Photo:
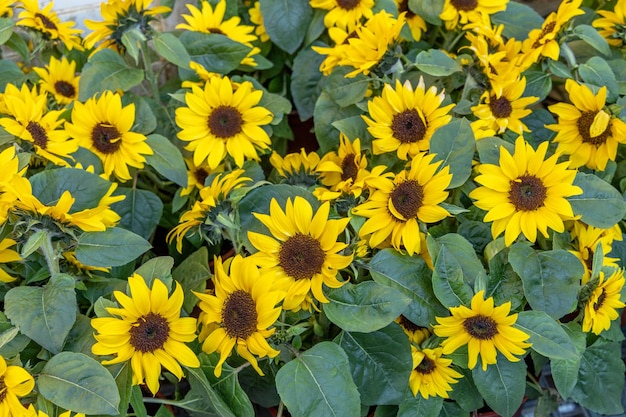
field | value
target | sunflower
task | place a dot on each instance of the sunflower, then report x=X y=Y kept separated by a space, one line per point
x=460 y=12
x=297 y=168
x=417 y=334
x=209 y=20
x=416 y=24
x=346 y=14
x=6 y=8
x=502 y=107
x=46 y=22
x=334 y=54
x=147 y=330
x=223 y=119
x=601 y=307
x=497 y=61
x=119 y=17
x=239 y=313
x=102 y=125
x=485 y=329
x=587 y=239
x=31 y=121
x=197 y=175
x=432 y=374
x=59 y=79
x=398 y=205
x=257 y=18
x=525 y=193
x=612 y=24
x=586 y=130
x=302 y=252
x=7 y=255
x=15 y=382
x=404 y=119
x=10 y=176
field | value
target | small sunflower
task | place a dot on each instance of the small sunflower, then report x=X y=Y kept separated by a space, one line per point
x=297 y=168
x=432 y=374
x=525 y=193
x=612 y=24
x=485 y=330
x=416 y=24
x=7 y=255
x=147 y=330
x=11 y=178
x=46 y=22
x=586 y=130
x=601 y=307
x=417 y=334
x=302 y=252
x=240 y=313
x=257 y=18
x=398 y=205
x=102 y=125
x=203 y=76
x=587 y=239
x=346 y=14
x=197 y=175
x=334 y=54
x=15 y=382
x=404 y=119
x=59 y=79
x=459 y=12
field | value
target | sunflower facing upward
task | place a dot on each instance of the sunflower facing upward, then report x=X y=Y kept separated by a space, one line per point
x=600 y=309
x=59 y=79
x=15 y=382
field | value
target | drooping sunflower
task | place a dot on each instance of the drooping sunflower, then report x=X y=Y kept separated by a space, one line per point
x=605 y=298
x=103 y=126
x=346 y=14
x=459 y=12
x=432 y=374
x=297 y=168
x=7 y=255
x=417 y=334
x=240 y=312
x=15 y=382
x=612 y=24
x=587 y=238
x=416 y=24
x=525 y=193
x=59 y=79
x=120 y=16
x=586 y=130
x=485 y=329
x=222 y=119
x=334 y=54
x=46 y=22
x=147 y=330
x=257 y=18
x=31 y=121
x=197 y=175
x=404 y=119
x=302 y=253
x=397 y=205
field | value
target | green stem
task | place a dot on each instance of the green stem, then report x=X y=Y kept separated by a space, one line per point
x=150 y=76
x=52 y=258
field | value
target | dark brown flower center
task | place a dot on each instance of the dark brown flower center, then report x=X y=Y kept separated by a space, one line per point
x=200 y=175
x=464 y=5
x=65 y=89
x=301 y=256
x=40 y=137
x=47 y=23
x=403 y=6
x=239 y=316
x=600 y=302
x=3 y=389
x=544 y=31
x=409 y=325
x=106 y=138
x=149 y=333
x=348 y=4
x=481 y=327
x=216 y=30
x=225 y=122
x=527 y=193
x=407 y=198
x=584 y=125
x=349 y=169
x=500 y=107
x=408 y=126
x=426 y=366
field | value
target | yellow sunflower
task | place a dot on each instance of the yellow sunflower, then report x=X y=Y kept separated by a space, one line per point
x=15 y=382
x=147 y=330
x=601 y=307
x=46 y=22
x=334 y=54
x=203 y=76
x=10 y=179
x=432 y=374
x=525 y=193
x=587 y=239
x=460 y=12
x=209 y=20
x=502 y=107
x=7 y=255
x=302 y=253
x=297 y=168
x=417 y=334
x=485 y=329
x=346 y=14
x=31 y=121
x=257 y=18
x=6 y=8
x=404 y=119
x=398 y=205
x=102 y=125
x=612 y=24
x=586 y=130
x=416 y=24
x=59 y=79
x=240 y=312
x=223 y=119
x=197 y=175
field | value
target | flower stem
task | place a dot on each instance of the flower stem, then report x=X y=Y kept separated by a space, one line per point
x=52 y=258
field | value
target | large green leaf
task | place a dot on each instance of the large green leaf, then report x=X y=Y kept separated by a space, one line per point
x=379 y=363
x=565 y=372
x=345 y=91
x=489 y=149
x=306 y=82
x=454 y=144
x=419 y=406
x=436 y=62
x=428 y=10
x=461 y=249
x=593 y=38
x=171 y=48
x=318 y=383
x=502 y=385
x=538 y=84
x=140 y=211
x=45 y=314
x=167 y=159
x=600 y=204
x=202 y=399
x=286 y=22
x=364 y=307
x=7 y=26
x=598 y=72
x=113 y=247
x=227 y=386
x=214 y=51
x=518 y=19
x=503 y=284
x=325 y=113
x=448 y=283
x=76 y=382
x=193 y=273
x=546 y=335
x=106 y=70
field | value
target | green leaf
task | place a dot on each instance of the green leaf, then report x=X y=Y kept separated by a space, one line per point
x=132 y=39
x=518 y=19
x=353 y=127
x=34 y=242
x=598 y=72
x=45 y=314
x=428 y=10
x=593 y=38
x=418 y=406
x=502 y=385
x=167 y=159
x=124 y=381
x=448 y=284
x=157 y=268
x=306 y=81
x=551 y=278
x=106 y=70
x=464 y=252
x=538 y=84
x=193 y=273
x=172 y=49
x=214 y=51
x=465 y=393
x=286 y=22
x=378 y=363
x=489 y=149
x=227 y=386
x=618 y=66
x=503 y=284
x=345 y=91
x=454 y=144
x=325 y=113
x=202 y=399
x=565 y=372
x=437 y=63
x=364 y=307
x=412 y=277
x=309 y=384
x=7 y=26
x=546 y=335
x=76 y=382
x=145 y=120
x=140 y=211
x=113 y=247
x=600 y=204
x=136 y=401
